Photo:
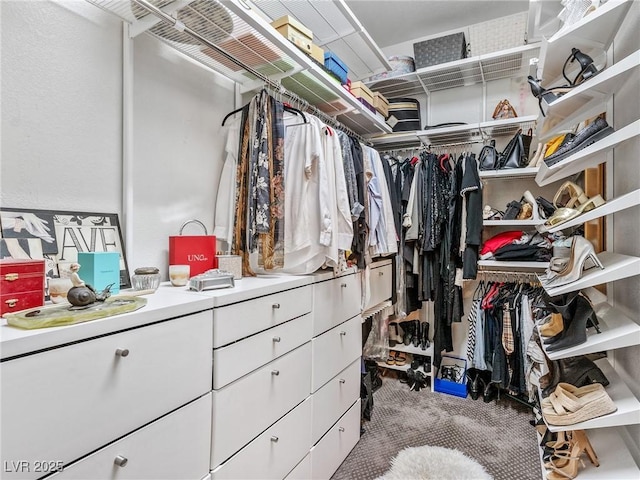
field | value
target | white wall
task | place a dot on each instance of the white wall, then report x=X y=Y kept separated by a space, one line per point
x=62 y=123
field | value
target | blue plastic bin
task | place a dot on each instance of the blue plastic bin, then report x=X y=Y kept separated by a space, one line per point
x=335 y=66
x=442 y=385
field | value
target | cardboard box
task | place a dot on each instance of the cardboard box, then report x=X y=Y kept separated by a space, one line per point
x=381 y=104
x=360 y=90
x=100 y=269
x=295 y=32
x=317 y=53
x=21 y=284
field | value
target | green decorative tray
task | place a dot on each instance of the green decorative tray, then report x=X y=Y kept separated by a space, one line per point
x=59 y=315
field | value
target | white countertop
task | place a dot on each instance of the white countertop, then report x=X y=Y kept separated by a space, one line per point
x=167 y=302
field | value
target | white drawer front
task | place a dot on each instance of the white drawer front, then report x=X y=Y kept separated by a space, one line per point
x=335 y=301
x=176 y=446
x=335 y=350
x=334 y=398
x=63 y=403
x=275 y=452
x=238 y=359
x=245 y=408
x=330 y=452
x=240 y=320
x=302 y=470
x=380 y=283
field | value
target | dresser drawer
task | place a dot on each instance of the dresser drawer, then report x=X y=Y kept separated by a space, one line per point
x=245 y=408
x=275 y=452
x=334 y=398
x=233 y=322
x=334 y=350
x=302 y=470
x=380 y=284
x=175 y=446
x=62 y=403
x=335 y=301
x=333 y=448
x=238 y=359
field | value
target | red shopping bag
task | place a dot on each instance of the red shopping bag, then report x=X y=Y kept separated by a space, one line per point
x=197 y=251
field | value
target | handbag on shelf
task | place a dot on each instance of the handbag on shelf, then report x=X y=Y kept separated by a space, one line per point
x=513 y=210
x=503 y=110
x=513 y=154
x=488 y=158
x=526 y=142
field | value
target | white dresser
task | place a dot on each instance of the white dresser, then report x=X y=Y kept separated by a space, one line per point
x=258 y=381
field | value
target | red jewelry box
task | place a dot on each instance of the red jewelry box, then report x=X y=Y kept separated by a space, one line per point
x=21 y=284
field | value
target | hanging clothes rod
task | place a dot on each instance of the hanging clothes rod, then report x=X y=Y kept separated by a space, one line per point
x=274 y=86
x=508 y=273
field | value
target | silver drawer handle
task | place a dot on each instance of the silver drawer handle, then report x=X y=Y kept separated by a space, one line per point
x=342 y=380
x=274 y=439
x=343 y=332
x=275 y=372
x=341 y=429
x=380 y=274
x=276 y=339
x=344 y=285
x=121 y=461
x=122 y=352
x=275 y=305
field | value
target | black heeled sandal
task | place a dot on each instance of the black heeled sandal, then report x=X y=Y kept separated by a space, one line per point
x=549 y=95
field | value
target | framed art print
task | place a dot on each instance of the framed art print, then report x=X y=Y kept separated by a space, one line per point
x=58 y=236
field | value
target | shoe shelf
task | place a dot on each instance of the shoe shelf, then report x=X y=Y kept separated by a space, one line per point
x=413 y=350
x=615 y=458
x=617 y=331
x=512 y=223
x=628 y=411
x=588 y=157
x=244 y=34
x=509 y=173
x=488 y=264
x=592 y=35
x=616 y=267
x=585 y=100
x=474 y=132
x=617 y=204
x=403 y=368
x=508 y=63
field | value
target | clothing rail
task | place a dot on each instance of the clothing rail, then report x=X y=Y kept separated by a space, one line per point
x=531 y=276
x=274 y=86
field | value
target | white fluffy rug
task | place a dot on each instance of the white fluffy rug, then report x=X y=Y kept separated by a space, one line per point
x=434 y=463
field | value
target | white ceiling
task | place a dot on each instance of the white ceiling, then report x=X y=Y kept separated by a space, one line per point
x=390 y=22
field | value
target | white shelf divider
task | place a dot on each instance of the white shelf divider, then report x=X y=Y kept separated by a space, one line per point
x=488 y=264
x=587 y=99
x=509 y=173
x=628 y=412
x=590 y=156
x=592 y=34
x=617 y=331
x=616 y=267
x=616 y=461
x=512 y=223
x=627 y=200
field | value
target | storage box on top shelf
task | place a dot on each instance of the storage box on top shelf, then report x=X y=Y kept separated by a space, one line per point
x=404 y=114
x=22 y=284
x=362 y=93
x=440 y=50
x=451 y=376
x=381 y=103
x=336 y=66
x=295 y=32
x=317 y=53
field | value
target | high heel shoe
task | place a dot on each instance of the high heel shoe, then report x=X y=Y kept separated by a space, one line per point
x=553 y=327
x=548 y=95
x=581 y=250
x=529 y=198
x=575 y=332
x=566 y=464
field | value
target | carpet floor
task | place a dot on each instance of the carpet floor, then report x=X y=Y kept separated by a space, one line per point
x=496 y=435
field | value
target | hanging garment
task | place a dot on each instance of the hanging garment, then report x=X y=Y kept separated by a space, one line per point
x=472 y=192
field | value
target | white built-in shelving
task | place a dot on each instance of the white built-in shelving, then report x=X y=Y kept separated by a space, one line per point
x=616 y=267
x=509 y=173
x=592 y=35
x=459 y=73
x=243 y=32
x=512 y=223
x=614 y=205
x=587 y=99
x=588 y=157
x=628 y=406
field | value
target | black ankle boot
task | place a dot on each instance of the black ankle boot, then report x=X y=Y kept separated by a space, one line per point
x=490 y=392
x=575 y=333
x=417 y=326
x=578 y=371
x=408 y=332
x=424 y=338
x=473 y=383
